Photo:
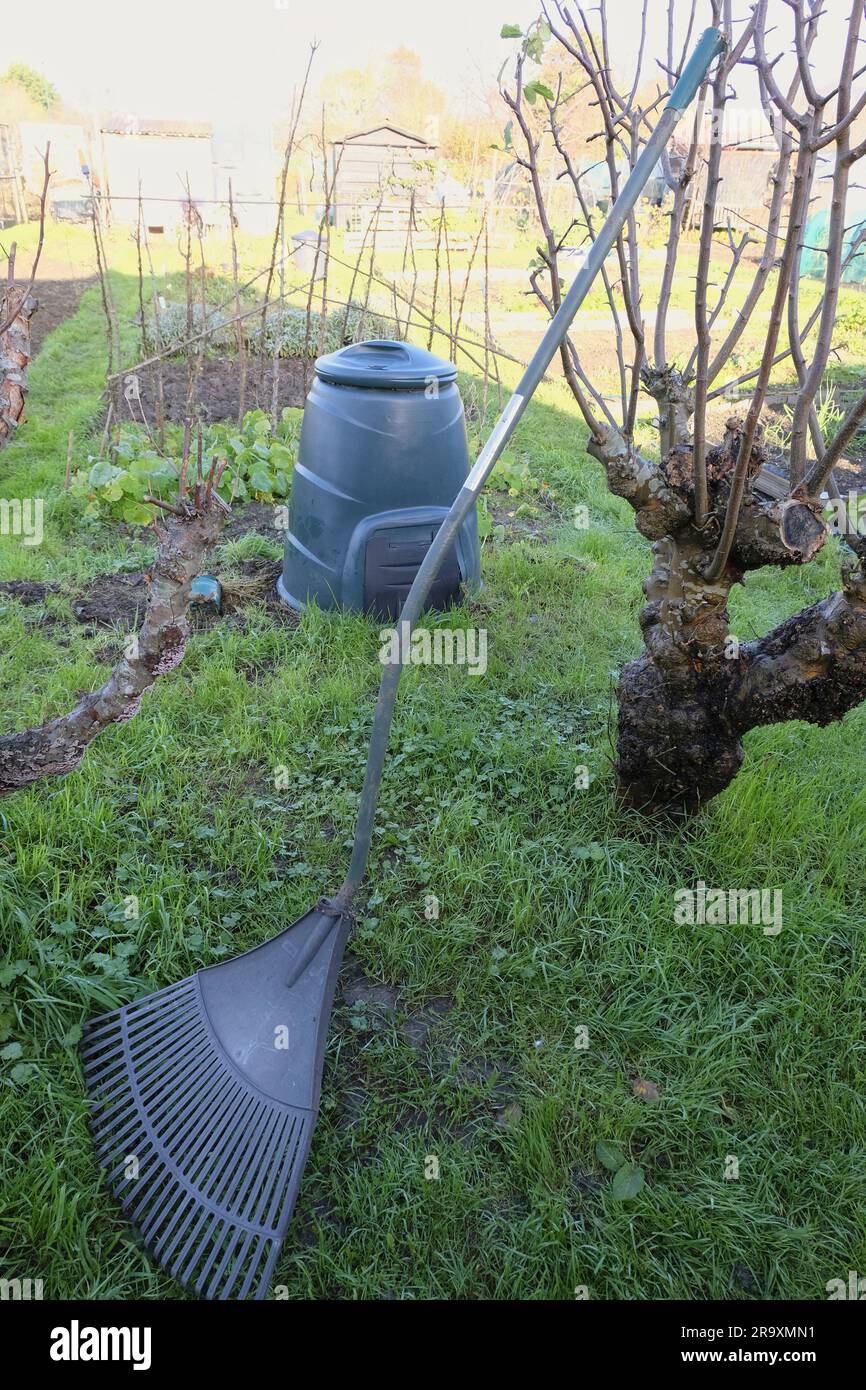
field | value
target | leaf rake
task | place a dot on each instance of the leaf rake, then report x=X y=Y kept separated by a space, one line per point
x=205 y=1094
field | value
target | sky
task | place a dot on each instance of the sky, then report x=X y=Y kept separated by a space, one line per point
x=241 y=59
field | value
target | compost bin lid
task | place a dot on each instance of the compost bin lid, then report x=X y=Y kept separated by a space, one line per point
x=384 y=364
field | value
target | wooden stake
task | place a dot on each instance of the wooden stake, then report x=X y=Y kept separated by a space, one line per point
x=242 y=345
x=69 y=449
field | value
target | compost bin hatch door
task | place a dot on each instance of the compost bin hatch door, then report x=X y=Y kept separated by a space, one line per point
x=392 y=563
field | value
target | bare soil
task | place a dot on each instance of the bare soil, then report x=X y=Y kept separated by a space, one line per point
x=217 y=390
x=27 y=591
x=118 y=601
x=525 y=527
x=113 y=600
x=58 y=300
x=850 y=473
x=252 y=518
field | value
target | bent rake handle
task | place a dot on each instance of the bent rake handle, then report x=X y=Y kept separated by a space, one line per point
x=710 y=46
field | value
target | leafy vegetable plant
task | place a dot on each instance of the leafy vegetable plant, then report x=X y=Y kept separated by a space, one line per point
x=259 y=465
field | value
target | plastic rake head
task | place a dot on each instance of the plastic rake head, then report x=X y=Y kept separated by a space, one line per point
x=204 y=1099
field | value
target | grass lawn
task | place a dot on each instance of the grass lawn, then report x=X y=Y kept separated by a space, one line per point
x=454 y=1038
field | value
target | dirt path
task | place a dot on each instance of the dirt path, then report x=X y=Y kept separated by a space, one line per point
x=58 y=300
x=66 y=270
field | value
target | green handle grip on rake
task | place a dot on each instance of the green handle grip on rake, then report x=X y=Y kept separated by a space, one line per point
x=711 y=44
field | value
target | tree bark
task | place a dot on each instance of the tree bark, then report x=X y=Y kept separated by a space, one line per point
x=676 y=747
x=15 y=358
x=685 y=704
x=680 y=733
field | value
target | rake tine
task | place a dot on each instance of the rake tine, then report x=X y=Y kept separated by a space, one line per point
x=245 y=1190
x=209 y=1164
x=220 y=1286
x=178 y=1268
x=289 y=1172
x=149 y=1197
x=238 y=1174
x=176 y=1016
x=249 y=1108
x=288 y=1139
x=206 y=1155
x=272 y=1247
x=105 y=1079
x=232 y=1176
x=210 y=1281
x=183 y=1213
x=189 y=1122
x=232 y=1277
x=149 y=1191
x=134 y=1208
x=196 y=1136
x=147 y=1007
x=270 y=1145
x=161 y=1092
x=110 y=1134
x=172 y=1024
x=223 y=1235
x=174 y=1264
x=180 y=1235
x=218 y=1120
x=102 y=1023
x=160 y=1096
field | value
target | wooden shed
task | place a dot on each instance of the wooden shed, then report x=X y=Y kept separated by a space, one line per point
x=158 y=155
x=383 y=161
x=12 y=205
x=749 y=158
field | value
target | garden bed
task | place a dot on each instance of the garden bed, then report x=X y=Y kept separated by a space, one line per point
x=217 y=391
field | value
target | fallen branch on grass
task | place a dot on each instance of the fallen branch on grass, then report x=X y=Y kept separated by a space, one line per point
x=190 y=527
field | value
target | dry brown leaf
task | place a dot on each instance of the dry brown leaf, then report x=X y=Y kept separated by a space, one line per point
x=644 y=1090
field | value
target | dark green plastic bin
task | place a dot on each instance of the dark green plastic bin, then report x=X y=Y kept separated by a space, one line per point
x=382 y=456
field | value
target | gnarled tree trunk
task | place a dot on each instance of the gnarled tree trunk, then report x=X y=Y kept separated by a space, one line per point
x=685 y=704
x=19 y=306
x=16 y=310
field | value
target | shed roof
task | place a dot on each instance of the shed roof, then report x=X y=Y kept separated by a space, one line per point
x=403 y=137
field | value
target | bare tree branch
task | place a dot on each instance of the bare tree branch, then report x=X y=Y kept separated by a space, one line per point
x=798 y=211
x=835 y=248
x=702 y=326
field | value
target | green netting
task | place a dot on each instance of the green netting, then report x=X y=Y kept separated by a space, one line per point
x=814 y=260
